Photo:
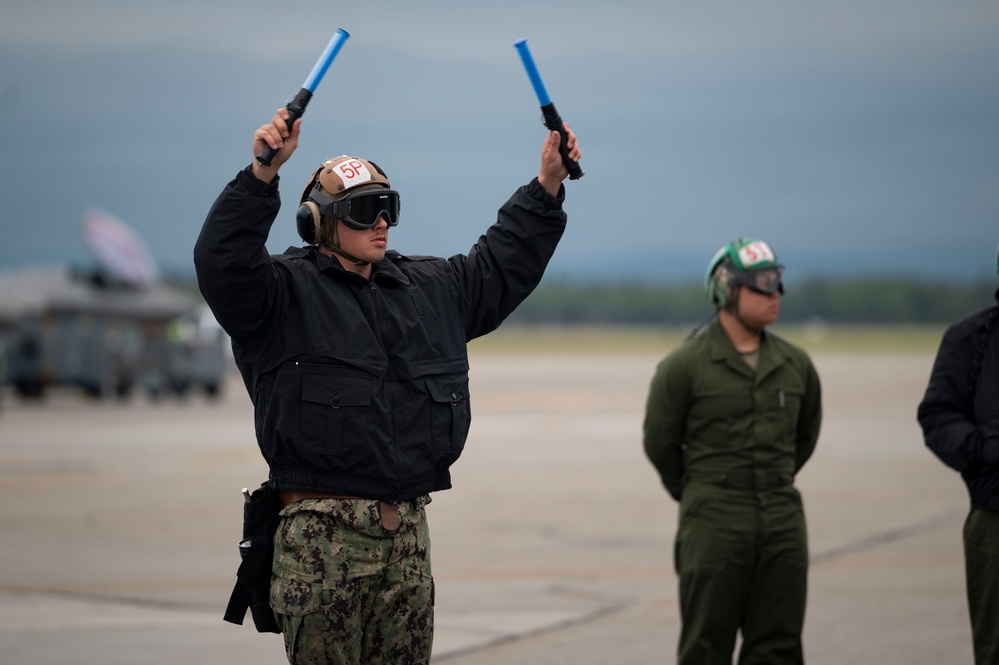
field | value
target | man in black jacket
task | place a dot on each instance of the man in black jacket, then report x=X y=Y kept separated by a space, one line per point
x=960 y=419
x=355 y=360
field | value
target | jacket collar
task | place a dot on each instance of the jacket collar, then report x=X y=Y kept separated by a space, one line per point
x=387 y=270
x=384 y=271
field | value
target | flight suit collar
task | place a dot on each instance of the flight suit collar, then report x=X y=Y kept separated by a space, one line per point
x=723 y=351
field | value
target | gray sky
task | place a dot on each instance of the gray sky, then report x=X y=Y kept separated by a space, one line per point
x=860 y=136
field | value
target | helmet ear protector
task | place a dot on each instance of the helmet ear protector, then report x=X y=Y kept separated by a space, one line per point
x=309 y=222
x=328 y=194
x=716 y=289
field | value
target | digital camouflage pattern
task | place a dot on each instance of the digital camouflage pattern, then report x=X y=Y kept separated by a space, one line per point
x=346 y=589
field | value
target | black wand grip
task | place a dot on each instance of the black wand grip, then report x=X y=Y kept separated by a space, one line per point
x=554 y=123
x=296 y=108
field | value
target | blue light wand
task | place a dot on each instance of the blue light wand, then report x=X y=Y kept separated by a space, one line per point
x=296 y=107
x=551 y=117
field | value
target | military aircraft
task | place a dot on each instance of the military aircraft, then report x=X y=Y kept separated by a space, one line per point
x=108 y=328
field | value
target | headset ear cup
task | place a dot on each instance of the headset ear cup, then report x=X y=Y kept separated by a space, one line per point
x=308 y=222
x=718 y=296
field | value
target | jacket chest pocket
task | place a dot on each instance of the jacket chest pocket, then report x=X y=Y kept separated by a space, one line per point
x=450 y=413
x=334 y=409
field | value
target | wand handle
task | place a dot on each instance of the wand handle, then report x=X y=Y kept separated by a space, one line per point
x=554 y=122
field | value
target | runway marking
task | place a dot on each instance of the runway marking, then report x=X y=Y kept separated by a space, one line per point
x=109 y=599
x=881 y=538
x=588 y=617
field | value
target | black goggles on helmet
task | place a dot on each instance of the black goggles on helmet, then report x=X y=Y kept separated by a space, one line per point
x=763 y=280
x=361 y=211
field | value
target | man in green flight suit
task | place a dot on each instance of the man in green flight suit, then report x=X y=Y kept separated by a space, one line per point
x=732 y=416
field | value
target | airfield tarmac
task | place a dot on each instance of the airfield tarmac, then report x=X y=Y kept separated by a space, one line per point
x=119 y=524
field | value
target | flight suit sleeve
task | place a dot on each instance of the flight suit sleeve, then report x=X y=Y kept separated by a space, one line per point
x=665 y=424
x=809 y=418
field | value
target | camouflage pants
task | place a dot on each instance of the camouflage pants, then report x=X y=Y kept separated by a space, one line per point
x=347 y=590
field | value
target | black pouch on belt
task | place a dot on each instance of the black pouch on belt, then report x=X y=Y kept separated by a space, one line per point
x=256 y=551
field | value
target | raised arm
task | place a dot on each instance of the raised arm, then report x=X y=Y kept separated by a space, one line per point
x=235 y=272
x=509 y=260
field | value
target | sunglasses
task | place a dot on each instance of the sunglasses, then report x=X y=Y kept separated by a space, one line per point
x=361 y=211
x=764 y=280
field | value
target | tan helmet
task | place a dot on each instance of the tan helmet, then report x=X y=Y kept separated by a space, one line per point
x=335 y=178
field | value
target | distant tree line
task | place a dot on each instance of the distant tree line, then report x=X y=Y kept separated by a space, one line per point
x=880 y=300
x=888 y=300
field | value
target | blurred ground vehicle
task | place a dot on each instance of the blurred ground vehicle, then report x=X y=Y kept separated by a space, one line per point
x=106 y=329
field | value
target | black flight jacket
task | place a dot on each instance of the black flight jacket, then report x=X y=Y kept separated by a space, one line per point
x=959 y=413
x=360 y=387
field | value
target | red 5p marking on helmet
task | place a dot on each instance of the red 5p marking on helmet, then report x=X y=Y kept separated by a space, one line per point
x=339 y=174
x=353 y=171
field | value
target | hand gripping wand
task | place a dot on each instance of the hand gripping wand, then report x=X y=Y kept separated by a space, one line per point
x=551 y=116
x=296 y=107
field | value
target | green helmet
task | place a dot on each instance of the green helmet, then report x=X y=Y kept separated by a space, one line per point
x=746 y=261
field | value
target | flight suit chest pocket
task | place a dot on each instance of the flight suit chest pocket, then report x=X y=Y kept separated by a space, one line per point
x=334 y=410
x=782 y=409
x=450 y=413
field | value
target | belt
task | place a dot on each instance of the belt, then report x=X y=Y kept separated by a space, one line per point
x=744 y=480
x=291 y=496
x=389 y=515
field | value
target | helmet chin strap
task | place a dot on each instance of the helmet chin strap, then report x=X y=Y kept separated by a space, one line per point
x=746 y=326
x=336 y=249
x=733 y=308
x=356 y=261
